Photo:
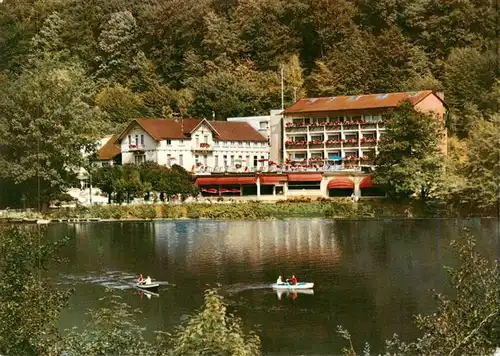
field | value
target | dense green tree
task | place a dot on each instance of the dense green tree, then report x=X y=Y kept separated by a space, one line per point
x=470 y=81
x=409 y=160
x=45 y=123
x=120 y=103
x=214 y=331
x=108 y=179
x=30 y=304
x=368 y=64
x=482 y=168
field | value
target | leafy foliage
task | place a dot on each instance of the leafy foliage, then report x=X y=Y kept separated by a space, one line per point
x=482 y=168
x=214 y=331
x=45 y=123
x=409 y=160
x=111 y=331
x=29 y=304
x=130 y=181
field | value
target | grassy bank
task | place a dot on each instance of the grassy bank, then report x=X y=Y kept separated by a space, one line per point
x=301 y=207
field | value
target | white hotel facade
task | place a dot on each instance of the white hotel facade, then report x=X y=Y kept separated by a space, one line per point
x=198 y=145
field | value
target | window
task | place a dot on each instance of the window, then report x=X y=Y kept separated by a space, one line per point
x=142 y=140
x=181 y=160
x=197 y=140
x=169 y=158
x=317 y=155
x=299 y=156
x=169 y=142
x=255 y=161
x=263 y=125
x=232 y=160
x=351 y=136
x=129 y=140
x=205 y=160
x=334 y=137
x=262 y=161
x=248 y=161
x=225 y=161
x=205 y=139
x=196 y=159
x=371 y=134
x=317 y=138
x=216 y=161
x=181 y=142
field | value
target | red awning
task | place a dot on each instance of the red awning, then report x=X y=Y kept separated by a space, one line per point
x=366 y=183
x=305 y=177
x=225 y=180
x=340 y=183
x=272 y=179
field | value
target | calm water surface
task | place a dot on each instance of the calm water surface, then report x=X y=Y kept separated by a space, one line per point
x=370 y=276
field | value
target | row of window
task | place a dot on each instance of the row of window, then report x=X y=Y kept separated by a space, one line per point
x=233 y=160
x=338 y=136
x=320 y=120
x=139 y=140
x=332 y=154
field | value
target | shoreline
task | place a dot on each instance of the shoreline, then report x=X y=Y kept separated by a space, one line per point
x=340 y=209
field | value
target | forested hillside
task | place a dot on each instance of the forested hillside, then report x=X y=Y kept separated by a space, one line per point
x=197 y=57
x=71 y=70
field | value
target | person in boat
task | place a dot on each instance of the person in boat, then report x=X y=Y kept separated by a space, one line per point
x=279 y=281
x=148 y=280
x=140 y=280
x=293 y=280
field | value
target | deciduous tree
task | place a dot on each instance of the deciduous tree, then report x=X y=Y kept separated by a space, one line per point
x=409 y=160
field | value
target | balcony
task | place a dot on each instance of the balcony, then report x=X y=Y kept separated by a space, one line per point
x=203 y=147
x=316 y=144
x=136 y=148
x=296 y=144
x=334 y=126
x=368 y=142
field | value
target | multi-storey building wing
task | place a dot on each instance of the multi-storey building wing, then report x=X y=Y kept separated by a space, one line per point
x=343 y=132
x=198 y=145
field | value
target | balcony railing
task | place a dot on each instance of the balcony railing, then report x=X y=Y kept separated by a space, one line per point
x=136 y=147
x=203 y=147
x=351 y=142
x=338 y=125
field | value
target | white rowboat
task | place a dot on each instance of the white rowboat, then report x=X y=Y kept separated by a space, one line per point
x=288 y=286
x=149 y=287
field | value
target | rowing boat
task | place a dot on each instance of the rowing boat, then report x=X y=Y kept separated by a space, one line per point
x=148 y=287
x=288 y=286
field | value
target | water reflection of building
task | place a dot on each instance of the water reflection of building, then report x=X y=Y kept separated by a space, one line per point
x=215 y=244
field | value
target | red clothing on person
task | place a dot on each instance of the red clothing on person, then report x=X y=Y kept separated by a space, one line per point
x=293 y=280
x=140 y=279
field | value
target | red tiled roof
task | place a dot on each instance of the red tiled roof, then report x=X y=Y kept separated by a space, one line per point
x=109 y=150
x=161 y=129
x=236 y=131
x=355 y=102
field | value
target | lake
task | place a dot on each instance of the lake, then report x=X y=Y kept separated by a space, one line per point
x=370 y=276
